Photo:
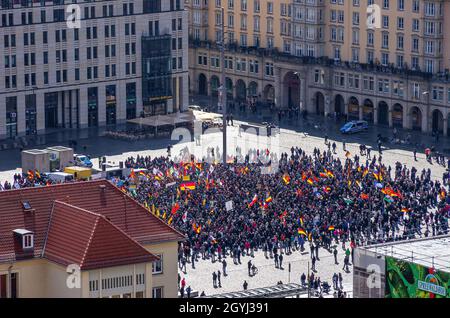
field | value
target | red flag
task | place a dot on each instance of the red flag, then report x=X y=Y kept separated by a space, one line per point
x=175 y=208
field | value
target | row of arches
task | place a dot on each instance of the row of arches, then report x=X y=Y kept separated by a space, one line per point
x=368 y=112
x=238 y=90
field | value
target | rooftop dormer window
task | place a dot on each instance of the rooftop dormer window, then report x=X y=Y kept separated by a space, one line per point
x=27 y=238
x=27 y=241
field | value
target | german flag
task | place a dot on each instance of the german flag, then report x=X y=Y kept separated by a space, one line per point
x=310 y=181
x=187 y=186
x=196 y=228
x=30 y=174
x=286 y=179
x=301 y=232
x=142 y=173
x=365 y=171
x=377 y=175
x=330 y=174
x=327 y=189
x=37 y=174
x=331 y=228
x=323 y=175
x=269 y=199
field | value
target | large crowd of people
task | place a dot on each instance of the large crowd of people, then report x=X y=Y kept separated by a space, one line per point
x=317 y=200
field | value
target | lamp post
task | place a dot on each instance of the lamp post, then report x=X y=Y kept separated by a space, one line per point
x=223 y=100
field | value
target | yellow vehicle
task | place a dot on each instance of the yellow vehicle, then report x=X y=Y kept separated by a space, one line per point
x=79 y=173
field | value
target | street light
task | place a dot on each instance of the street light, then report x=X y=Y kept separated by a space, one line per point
x=224 y=88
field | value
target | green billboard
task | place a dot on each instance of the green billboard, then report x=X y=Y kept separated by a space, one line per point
x=409 y=280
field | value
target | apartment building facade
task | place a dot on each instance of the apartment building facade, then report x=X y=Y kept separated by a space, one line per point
x=385 y=61
x=124 y=58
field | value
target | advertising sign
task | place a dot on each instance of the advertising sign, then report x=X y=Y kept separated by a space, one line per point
x=409 y=280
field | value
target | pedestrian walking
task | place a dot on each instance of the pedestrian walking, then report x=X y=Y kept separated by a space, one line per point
x=249 y=266
x=214 y=277
x=224 y=267
x=313 y=262
x=276 y=260
x=335 y=252
x=188 y=292
x=340 y=281
x=218 y=279
x=281 y=261
x=245 y=285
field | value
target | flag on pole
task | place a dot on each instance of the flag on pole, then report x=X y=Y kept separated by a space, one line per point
x=184 y=217
x=187 y=186
x=175 y=208
x=286 y=179
x=254 y=200
x=364 y=196
x=301 y=231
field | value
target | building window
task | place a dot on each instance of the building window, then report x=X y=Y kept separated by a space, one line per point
x=157 y=266
x=28 y=241
x=157 y=292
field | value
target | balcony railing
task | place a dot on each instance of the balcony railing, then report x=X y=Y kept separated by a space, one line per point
x=276 y=55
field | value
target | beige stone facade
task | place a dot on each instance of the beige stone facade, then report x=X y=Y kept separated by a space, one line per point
x=325 y=58
x=41 y=278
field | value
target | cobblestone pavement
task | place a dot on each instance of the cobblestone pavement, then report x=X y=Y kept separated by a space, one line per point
x=200 y=278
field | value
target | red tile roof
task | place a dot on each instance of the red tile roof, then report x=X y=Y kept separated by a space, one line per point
x=77 y=236
x=95 y=216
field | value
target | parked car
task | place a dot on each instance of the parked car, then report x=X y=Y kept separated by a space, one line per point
x=354 y=127
x=195 y=107
x=82 y=161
